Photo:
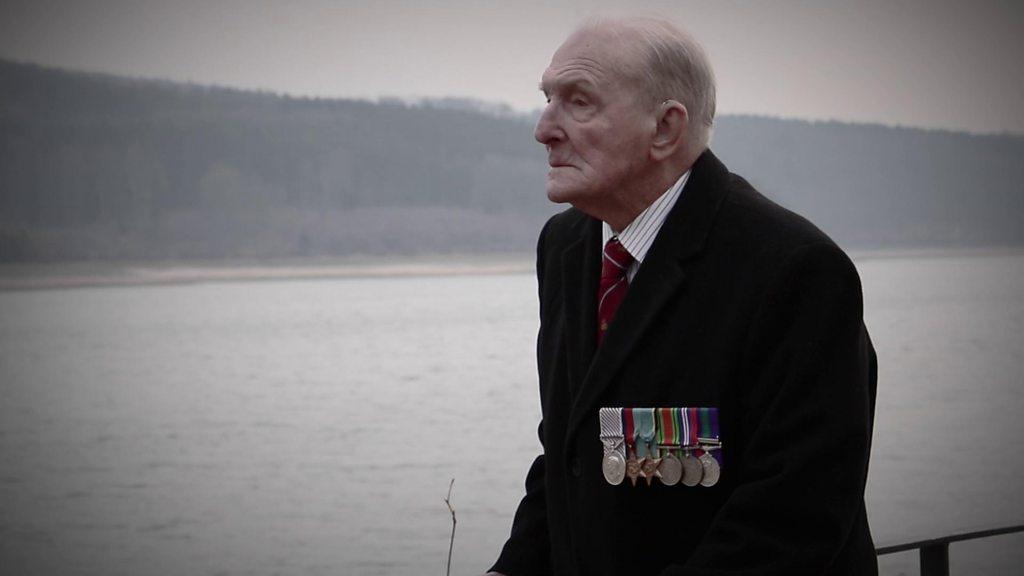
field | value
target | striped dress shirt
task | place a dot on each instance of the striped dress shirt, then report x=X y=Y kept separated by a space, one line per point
x=638 y=236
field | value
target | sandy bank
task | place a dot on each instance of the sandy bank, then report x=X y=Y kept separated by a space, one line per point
x=86 y=274
x=77 y=275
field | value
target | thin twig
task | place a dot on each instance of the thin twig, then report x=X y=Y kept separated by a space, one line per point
x=451 y=542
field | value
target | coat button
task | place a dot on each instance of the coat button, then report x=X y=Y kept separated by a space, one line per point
x=576 y=467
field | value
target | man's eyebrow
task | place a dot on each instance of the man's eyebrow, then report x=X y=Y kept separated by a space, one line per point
x=569 y=82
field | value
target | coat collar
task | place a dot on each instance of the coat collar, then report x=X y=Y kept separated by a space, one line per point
x=663 y=273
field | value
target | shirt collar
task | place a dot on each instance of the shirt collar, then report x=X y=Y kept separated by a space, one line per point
x=638 y=236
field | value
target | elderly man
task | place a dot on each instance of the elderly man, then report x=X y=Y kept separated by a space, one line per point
x=706 y=380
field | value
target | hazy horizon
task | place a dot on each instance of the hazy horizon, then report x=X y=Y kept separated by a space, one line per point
x=943 y=65
x=494 y=107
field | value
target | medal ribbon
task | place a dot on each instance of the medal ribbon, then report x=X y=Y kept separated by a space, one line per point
x=709 y=428
x=645 y=429
x=629 y=429
x=681 y=428
x=693 y=427
x=611 y=431
x=705 y=423
x=668 y=432
x=684 y=426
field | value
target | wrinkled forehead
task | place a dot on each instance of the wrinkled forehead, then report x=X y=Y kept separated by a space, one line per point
x=598 y=59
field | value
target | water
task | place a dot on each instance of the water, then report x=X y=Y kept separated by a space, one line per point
x=312 y=427
x=948 y=449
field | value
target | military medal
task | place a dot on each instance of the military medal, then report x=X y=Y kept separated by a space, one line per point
x=709 y=441
x=671 y=468
x=643 y=419
x=712 y=471
x=633 y=468
x=613 y=465
x=633 y=465
x=693 y=471
x=650 y=470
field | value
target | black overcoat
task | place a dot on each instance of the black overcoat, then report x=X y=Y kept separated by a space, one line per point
x=741 y=305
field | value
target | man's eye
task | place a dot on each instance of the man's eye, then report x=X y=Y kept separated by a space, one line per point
x=579 y=102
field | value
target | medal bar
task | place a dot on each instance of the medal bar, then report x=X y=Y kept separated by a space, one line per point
x=674 y=445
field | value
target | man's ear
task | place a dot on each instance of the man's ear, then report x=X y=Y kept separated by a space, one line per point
x=672 y=131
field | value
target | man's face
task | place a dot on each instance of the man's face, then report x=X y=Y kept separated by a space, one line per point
x=595 y=128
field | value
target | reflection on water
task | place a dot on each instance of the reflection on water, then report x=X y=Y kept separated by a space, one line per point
x=312 y=426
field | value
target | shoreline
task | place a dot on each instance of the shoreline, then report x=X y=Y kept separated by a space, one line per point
x=897 y=253
x=49 y=276
x=14 y=277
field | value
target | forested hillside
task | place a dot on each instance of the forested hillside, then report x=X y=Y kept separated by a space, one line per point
x=100 y=167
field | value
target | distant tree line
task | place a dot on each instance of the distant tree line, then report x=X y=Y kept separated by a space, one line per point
x=101 y=167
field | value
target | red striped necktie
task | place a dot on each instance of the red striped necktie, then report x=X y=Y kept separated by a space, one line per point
x=614 y=283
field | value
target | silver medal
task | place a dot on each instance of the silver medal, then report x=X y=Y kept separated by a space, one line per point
x=711 y=470
x=693 y=472
x=671 y=469
x=614 y=468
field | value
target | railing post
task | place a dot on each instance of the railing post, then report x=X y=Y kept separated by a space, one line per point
x=935 y=559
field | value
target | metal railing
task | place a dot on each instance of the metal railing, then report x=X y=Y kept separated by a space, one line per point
x=935 y=551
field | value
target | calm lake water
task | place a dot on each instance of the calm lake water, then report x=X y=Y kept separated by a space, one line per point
x=313 y=426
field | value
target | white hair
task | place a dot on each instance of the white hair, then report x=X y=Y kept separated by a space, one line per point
x=672 y=65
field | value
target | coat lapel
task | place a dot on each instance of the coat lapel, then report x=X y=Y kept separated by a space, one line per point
x=662 y=276
x=581 y=270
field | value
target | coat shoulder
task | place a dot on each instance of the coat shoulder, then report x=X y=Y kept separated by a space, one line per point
x=565 y=227
x=757 y=225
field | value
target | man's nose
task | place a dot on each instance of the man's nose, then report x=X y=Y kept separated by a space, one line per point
x=548 y=129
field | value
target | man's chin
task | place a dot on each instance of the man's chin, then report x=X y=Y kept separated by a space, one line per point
x=559 y=195
x=561 y=192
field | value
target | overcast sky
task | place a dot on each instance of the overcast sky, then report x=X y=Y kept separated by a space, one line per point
x=941 y=64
